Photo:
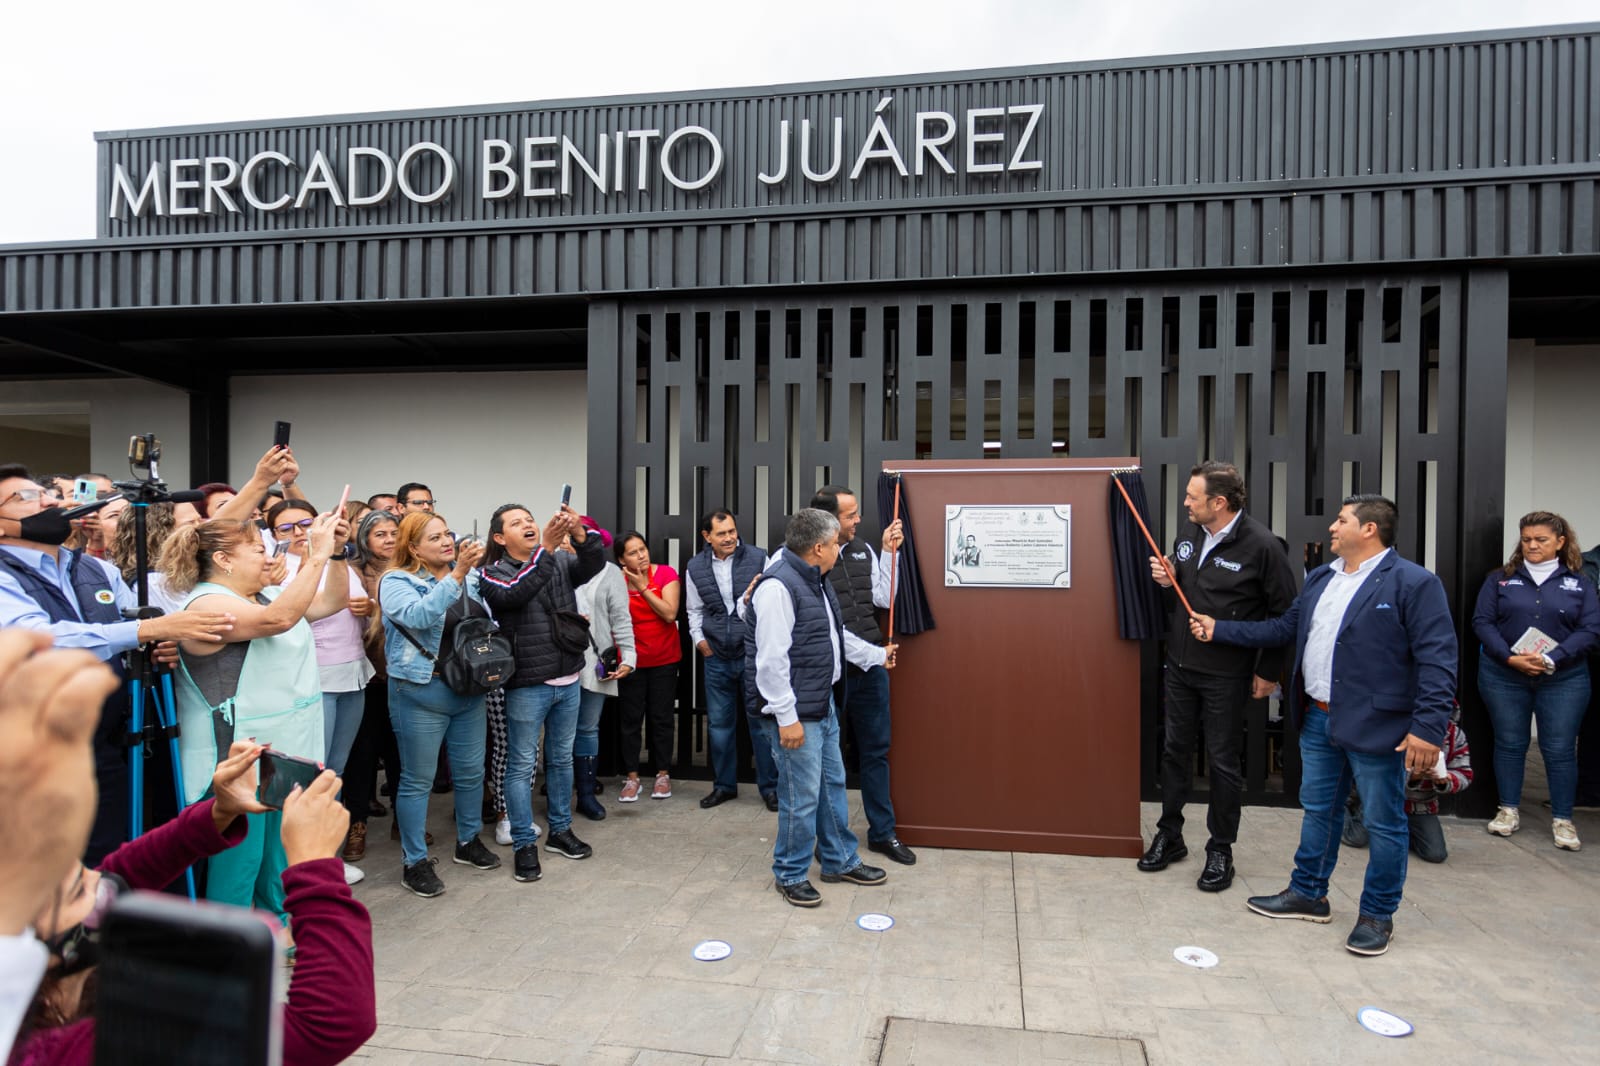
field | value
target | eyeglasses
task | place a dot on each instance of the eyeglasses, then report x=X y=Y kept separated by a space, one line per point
x=31 y=496
x=290 y=527
x=421 y=503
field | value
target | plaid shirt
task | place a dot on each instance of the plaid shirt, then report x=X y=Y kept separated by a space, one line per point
x=1422 y=797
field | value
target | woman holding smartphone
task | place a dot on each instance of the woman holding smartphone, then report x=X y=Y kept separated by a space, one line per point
x=649 y=692
x=261 y=682
x=427 y=591
x=374 y=541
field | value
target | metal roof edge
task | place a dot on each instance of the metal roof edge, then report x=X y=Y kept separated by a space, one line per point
x=1506 y=35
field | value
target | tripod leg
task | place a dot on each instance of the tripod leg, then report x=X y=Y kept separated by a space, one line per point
x=136 y=760
x=167 y=716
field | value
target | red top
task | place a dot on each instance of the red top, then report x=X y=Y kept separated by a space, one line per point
x=657 y=641
x=331 y=1010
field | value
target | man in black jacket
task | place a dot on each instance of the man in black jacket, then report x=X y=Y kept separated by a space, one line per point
x=525 y=583
x=1229 y=566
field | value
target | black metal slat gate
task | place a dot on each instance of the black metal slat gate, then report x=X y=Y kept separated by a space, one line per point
x=1315 y=387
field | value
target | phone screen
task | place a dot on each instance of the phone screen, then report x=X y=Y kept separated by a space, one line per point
x=280 y=773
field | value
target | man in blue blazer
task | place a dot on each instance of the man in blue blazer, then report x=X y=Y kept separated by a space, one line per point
x=1374 y=677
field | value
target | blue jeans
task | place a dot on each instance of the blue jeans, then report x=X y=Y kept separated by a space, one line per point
x=1557 y=701
x=587 y=739
x=341 y=721
x=423 y=716
x=554 y=709
x=1324 y=784
x=724 y=680
x=866 y=704
x=813 y=813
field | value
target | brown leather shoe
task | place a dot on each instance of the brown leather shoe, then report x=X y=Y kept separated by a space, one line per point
x=355 y=843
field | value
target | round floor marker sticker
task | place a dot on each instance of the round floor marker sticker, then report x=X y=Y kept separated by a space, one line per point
x=1199 y=958
x=1383 y=1023
x=875 y=923
x=712 y=950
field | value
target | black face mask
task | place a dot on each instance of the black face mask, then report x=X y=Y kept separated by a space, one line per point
x=49 y=526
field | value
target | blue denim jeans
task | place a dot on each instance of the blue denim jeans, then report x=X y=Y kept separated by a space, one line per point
x=423 y=716
x=813 y=812
x=1557 y=702
x=553 y=709
x=866 y=704
x=341 y=721
x=587 y=739
x=724 y=679
x=1381 y=782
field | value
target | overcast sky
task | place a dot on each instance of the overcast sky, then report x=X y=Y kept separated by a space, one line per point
x=69 y=68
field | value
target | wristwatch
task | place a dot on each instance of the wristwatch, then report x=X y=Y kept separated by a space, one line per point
x=349 y=552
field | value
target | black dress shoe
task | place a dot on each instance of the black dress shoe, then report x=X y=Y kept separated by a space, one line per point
x=801 y=894
x=859 y=875
x=717 y=796
x=1291 y=904
x=771 y=800
x=1371 y=936
x=1218 y=873
x=896 y=851
x=1164 y=849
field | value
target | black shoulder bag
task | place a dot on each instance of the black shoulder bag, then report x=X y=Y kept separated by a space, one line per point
x=479 y=658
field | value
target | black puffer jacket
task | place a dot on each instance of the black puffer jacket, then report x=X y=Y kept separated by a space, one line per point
x=521 y=593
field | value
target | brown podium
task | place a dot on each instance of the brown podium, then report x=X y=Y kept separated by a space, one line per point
x=1016 y=719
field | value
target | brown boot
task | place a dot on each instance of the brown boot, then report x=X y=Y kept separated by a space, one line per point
x=355 y=843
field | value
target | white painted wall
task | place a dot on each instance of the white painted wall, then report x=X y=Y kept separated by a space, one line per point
x=1553 y=436
x=477 y=440
x=117 y=409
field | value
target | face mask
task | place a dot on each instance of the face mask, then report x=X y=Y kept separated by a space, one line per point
x=49 y=526
x=78 y=948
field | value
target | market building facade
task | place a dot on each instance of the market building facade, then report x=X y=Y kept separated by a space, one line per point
x=1351 y=267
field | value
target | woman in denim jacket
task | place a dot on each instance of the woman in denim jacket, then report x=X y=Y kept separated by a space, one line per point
x=422 y=599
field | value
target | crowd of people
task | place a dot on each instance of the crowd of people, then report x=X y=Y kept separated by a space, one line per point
x=371 y=635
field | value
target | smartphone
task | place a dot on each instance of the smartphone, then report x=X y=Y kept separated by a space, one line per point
x=344 y=498
x=173 y=970
x=566 y=495
x=84 y=490
x=280 y=773
x=281 y=548
x=280 y=434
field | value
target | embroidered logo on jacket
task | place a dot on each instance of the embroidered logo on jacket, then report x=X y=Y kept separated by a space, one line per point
x=1570 y=584
x=1226 y=565
x=1185 y=550
x=104 y=596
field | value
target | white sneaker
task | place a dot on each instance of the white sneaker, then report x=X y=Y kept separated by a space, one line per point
x=1507 y=821
x=1566 y=834
x=353 y=875
x=502 y=832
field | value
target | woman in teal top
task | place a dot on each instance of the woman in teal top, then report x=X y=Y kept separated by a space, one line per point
x=260 y=681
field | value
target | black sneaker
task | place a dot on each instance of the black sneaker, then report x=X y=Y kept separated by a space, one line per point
x=1291 y=904
x=421 y=879
x=473 y=853
x=526 y=864
x=1371 y=936
x=567 y=843
x=858 y=875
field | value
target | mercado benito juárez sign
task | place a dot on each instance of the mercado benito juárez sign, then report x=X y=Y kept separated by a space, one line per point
x=551 y=166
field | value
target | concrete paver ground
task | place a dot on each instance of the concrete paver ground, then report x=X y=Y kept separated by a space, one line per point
x=992 y=957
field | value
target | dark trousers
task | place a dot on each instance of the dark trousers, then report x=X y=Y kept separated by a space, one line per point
x=648 y=693
x=374 y=740
x=1588 y=794
x=866 y=707
x=1215 y=705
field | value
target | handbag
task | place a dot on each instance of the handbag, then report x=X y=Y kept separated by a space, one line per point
x=569 y=630
x=480 y=657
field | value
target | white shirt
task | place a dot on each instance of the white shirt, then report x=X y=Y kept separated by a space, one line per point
x=858 y=651
x=22 y=962
x=1213 y=539
x=722 y=573
x=775 y=635
x=1326 y=621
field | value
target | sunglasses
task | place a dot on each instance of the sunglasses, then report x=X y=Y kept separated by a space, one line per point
x=290 y=527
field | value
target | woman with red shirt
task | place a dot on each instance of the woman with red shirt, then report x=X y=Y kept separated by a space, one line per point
x=653 y=593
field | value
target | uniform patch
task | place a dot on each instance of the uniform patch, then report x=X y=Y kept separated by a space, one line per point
x=1185 y=550
x=1570 y=584
x=104 y=596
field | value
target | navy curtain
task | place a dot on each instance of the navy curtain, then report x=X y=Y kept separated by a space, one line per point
x=911 y=612
x=1139 y=612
